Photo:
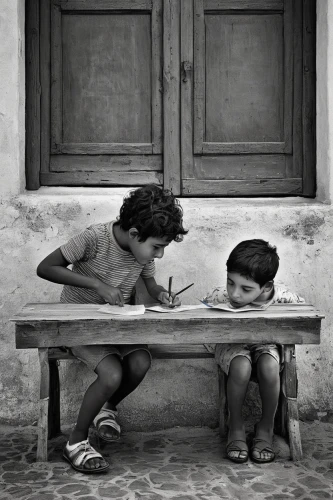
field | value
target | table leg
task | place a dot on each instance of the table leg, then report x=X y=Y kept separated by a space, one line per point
x=54 y=401
x=223 y=404
x=43 y=405
x=289 y=388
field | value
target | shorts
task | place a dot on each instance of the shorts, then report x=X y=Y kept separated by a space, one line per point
x=92 y=355
x=225 y=353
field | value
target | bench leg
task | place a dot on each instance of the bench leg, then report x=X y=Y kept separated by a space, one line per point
x=289 y=388
x=43 y=405
x=54 y=401
x=223 y=404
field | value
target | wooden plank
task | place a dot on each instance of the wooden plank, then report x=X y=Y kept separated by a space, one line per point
x=54 y=401
x=295 y=167
x=106 y=91
x=168 y=331
x=104 y=4
x=186 y=90
x=103 y=148
x=56 y=78
x=272 y=5
x=101 y=178
x=43 y=405
x=237 y=167
x=288 y=76
x=33 y=94
x=171 y=95
x=309 y=100
x=199 y=77
x=57 y=310
x=41 y=310
x=156 y=75
x=243 y=147
x=223 y=404
x=244 y=86
x=104 y=163
x=178 y=351
x=248 y=187
x=290 y=392
x=45 y=65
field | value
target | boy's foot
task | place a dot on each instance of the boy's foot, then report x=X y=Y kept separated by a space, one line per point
x=237 y=449
x=107 y=425
x=84 y=458
x=262 y=447
x=77 y=438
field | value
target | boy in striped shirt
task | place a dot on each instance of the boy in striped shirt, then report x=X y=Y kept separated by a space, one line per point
x=107 y=261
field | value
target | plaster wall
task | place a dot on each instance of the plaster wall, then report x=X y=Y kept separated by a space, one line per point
x=32 y=224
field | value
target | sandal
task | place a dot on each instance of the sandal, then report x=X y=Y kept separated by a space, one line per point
x=233 y=446
x=107 y=417
x=79 y=456
x=260 y=445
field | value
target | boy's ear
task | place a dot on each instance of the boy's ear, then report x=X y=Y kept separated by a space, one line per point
x=268 y=286
x=133 y=233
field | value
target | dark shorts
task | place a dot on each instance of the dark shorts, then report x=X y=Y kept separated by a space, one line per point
x=92 y=355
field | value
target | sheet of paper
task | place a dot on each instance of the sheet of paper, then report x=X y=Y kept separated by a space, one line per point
x=228 y=307
x=167 y=309
x=127 y=310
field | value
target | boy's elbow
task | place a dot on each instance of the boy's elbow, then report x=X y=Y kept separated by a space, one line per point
x=41 y=271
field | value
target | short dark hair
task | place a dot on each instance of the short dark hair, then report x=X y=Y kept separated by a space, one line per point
x=256 y=259
x=154 y=212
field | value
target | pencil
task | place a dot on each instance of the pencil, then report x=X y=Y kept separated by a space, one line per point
x=183 y=290
x=170 y=285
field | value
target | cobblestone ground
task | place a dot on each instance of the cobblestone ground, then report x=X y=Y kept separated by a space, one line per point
x=181 y=463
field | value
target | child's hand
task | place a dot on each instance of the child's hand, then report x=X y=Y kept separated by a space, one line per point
x=110 y=294
x=164 y=298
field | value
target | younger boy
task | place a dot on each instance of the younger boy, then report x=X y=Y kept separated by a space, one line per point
x=107 y=262
x=251 y=268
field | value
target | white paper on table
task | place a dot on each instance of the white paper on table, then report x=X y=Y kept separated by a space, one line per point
x=127 y=310
x=167 y=309
x=228 y=307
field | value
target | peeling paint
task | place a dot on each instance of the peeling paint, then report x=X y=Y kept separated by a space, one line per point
x=306 y=229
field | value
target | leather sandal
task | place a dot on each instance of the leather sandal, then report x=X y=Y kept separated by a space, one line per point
x=78 y=455
x=107 y=418
x=261 y=446
x=239 y=446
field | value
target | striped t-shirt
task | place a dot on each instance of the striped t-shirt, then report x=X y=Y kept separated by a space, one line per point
x=96 y=253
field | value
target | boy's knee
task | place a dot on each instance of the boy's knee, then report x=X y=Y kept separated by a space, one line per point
x=110 y=374
x=139 y=363
x=268 y=368
x=240 y=369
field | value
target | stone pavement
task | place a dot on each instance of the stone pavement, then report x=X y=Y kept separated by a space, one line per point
x=180 y=463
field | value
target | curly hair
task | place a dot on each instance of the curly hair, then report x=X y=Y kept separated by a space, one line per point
x=256 y=259
x=154 y=212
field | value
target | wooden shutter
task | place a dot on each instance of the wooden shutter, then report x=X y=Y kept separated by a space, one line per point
x=248 y=132
x=101 y=107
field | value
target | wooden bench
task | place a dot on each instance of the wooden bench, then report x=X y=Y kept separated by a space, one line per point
x=47 y=327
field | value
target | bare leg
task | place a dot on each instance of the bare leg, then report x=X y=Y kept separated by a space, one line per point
x=238 y=381
x=135 y=366
x=109 y=375
x=269 y=387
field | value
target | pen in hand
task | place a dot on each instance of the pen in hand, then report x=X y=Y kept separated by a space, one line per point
x=171 y=299
x=169 y=291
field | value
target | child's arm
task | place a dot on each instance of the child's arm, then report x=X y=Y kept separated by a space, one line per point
x=54 y=268
x=159 y=293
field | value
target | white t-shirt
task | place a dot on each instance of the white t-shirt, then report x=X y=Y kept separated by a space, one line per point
x=219 y=295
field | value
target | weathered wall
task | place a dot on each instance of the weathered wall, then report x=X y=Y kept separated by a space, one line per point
x=33 y=224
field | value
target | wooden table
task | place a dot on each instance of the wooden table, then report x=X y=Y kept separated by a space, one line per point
x=47 y=326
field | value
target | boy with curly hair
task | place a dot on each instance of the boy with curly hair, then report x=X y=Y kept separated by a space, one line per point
x=107 y=261
x=251 y=269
